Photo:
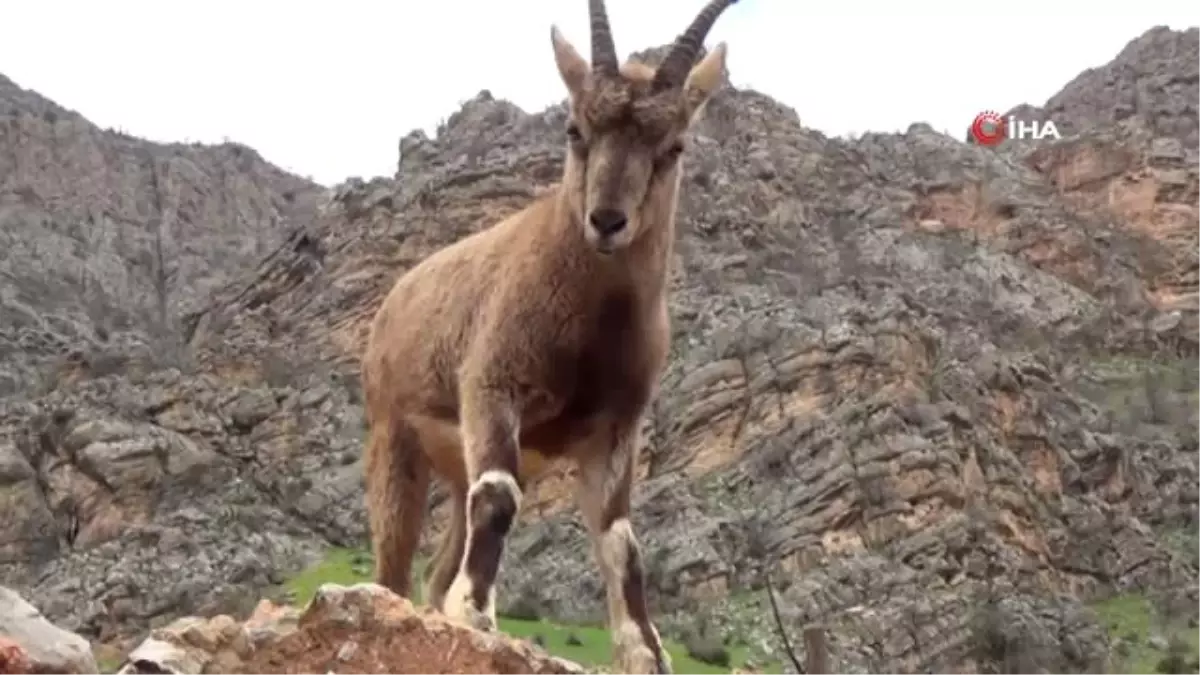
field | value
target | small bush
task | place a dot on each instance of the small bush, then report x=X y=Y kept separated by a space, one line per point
x=707 y=648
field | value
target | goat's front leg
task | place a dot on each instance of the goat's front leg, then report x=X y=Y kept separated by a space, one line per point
x=606 y=473
x=489 y=430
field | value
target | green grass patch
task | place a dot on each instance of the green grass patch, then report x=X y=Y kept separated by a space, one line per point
x=341 y=566
x=108 y=664
x=1183 y=541
x=1134 y=626
x=589 y=646
x=1125 y=371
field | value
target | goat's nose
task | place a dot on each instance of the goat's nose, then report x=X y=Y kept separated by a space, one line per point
x=608 y=221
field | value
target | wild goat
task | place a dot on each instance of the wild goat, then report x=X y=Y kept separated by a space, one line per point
x=542 y=337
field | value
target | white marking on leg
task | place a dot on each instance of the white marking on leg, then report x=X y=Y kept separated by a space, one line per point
x=494 y=477
x=490 y=609
x=460 y=605
x=458 y=596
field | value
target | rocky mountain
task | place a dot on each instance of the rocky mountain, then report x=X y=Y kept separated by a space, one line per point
x=108 y=239
x=943 y=396
x=1151 y=79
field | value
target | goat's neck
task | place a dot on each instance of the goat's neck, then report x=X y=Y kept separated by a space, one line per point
x=648 y=259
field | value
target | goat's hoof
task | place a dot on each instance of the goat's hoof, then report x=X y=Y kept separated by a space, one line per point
x=483 y=622
x=479 y=620
x=472 y=617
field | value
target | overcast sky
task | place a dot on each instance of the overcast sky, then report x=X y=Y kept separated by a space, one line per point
x=327 y=89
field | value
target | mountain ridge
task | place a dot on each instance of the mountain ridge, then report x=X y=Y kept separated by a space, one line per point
x=103 y=231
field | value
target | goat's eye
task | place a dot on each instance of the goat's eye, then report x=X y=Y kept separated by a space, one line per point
x=574 y=134
x=670 y=156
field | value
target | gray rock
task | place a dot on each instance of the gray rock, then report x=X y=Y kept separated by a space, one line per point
x=50 y=648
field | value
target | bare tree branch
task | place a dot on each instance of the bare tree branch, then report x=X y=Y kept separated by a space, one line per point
x=783 y=636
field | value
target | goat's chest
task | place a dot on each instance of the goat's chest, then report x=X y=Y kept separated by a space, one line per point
x=616 y=364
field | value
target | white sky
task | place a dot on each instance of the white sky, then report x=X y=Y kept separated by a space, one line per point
x=327 y=89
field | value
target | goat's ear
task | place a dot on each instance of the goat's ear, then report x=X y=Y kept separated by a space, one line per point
x=571 y=66
x=703 y=80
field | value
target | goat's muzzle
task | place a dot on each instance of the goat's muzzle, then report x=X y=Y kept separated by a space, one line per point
x=607 y=229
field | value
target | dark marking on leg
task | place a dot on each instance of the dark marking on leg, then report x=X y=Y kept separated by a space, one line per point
x=493 y=507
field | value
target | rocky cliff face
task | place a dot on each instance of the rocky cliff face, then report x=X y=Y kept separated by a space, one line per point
x=107 y=239
x=1152 y=79
x=943 y=395
x=107 y=242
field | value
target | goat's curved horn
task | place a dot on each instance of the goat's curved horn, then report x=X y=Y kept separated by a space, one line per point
x=604 y=52
x=679 y=60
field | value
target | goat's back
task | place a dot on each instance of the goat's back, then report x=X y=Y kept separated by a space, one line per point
x=427 y=321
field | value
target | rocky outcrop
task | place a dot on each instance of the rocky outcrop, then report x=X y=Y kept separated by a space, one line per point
x=357 y=629
x=29 y=643
x=942 y=394
x=107 y=242
x=123 y=480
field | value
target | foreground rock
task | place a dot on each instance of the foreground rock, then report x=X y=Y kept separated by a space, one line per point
x=29 y=643
x=356 y=629
x=13 y=658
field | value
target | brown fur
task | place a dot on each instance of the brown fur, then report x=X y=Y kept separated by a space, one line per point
x=536 y=339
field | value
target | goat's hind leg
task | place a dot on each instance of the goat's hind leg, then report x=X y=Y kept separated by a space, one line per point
x=489 y=431
x=445 y=563
x=397 y=482
x=606 y=472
